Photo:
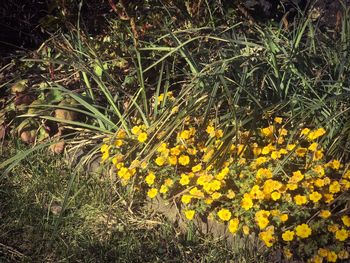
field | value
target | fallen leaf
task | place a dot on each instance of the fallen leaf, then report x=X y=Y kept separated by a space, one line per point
x=19 y=86
x=28 y=136
x=58 y=147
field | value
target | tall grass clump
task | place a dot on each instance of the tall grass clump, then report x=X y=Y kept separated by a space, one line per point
x=246 y=125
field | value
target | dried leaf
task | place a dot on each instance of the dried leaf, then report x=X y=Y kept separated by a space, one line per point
x=58 y=147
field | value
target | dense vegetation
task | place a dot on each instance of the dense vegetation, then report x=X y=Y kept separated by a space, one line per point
x=237 y=118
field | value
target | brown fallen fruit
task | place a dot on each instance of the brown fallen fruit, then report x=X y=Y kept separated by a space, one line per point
x=28 y=136
x=58 y=147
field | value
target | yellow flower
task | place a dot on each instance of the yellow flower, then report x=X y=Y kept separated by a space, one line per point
x=341 y=234
x=335 y=164
x=160 y=160
x=267 y=237
x=305 y=131
x=105 y=156
x=118 y=143
x=144 y=165
x=268 y=131
x=197 y=168
x=122 y=172
x=121 y=134
x=297 y=177
x=221 y=175
x=278 y=120
x=316 y=259
x=163 y=189
x=160 y=98
x=230 y=194
x=318 y=155
x=246 y=202
x=280 y=140
x=196 y=193
x=185 y=180
x=319 y=182
x=184 y=160
x=333 y=228
x=315 y=134
x=275 y=196
x=282 y=132
x=319 y=170
x=185 y=134
x=142 y=137
x=346 y=220
x=162 y=148
x=136 y=130
x=192 y=151
x=224 y=214
x=313 y=146
x=186 y=199
x=287 y=253
x=300 y=152
x=150 y=178
x=256 y=193
x=267 y=149
x=264 y=173
x=117 y=159
x=323 y=252
x=168 y=182
x=207 y=155
x=325 y=213
x=189 y=214
x=208 y=201
x=216 y=195
x=105 y=148
x=315 y=196
x=175 y=151
x=261 y=160
x=290 y=147
x=172 y=160
x=288 y=235
x=303 y=231
x=175 y=109
x=271 y=185
x=284 y=217
x=256 y=150
x=219 y=134
x=300 y=199
x=334 y=187
x=233 y=225
x=292 y=186
x=275 y=155
x=210 y=130
x=245 y=229
x=261 y=218
x=331 y=256
x=152 y=193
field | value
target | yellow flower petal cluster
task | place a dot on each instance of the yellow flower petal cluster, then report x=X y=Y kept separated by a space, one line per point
x=247 y=202
x=152 y=193
x=268 y=236
x=288 y=235
x=261 y=218
x=233 y=225
x=224 y=214
x=303 y=231
x=189 y=214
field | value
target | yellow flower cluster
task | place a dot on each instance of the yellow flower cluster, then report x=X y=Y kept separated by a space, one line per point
x=276 y=184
